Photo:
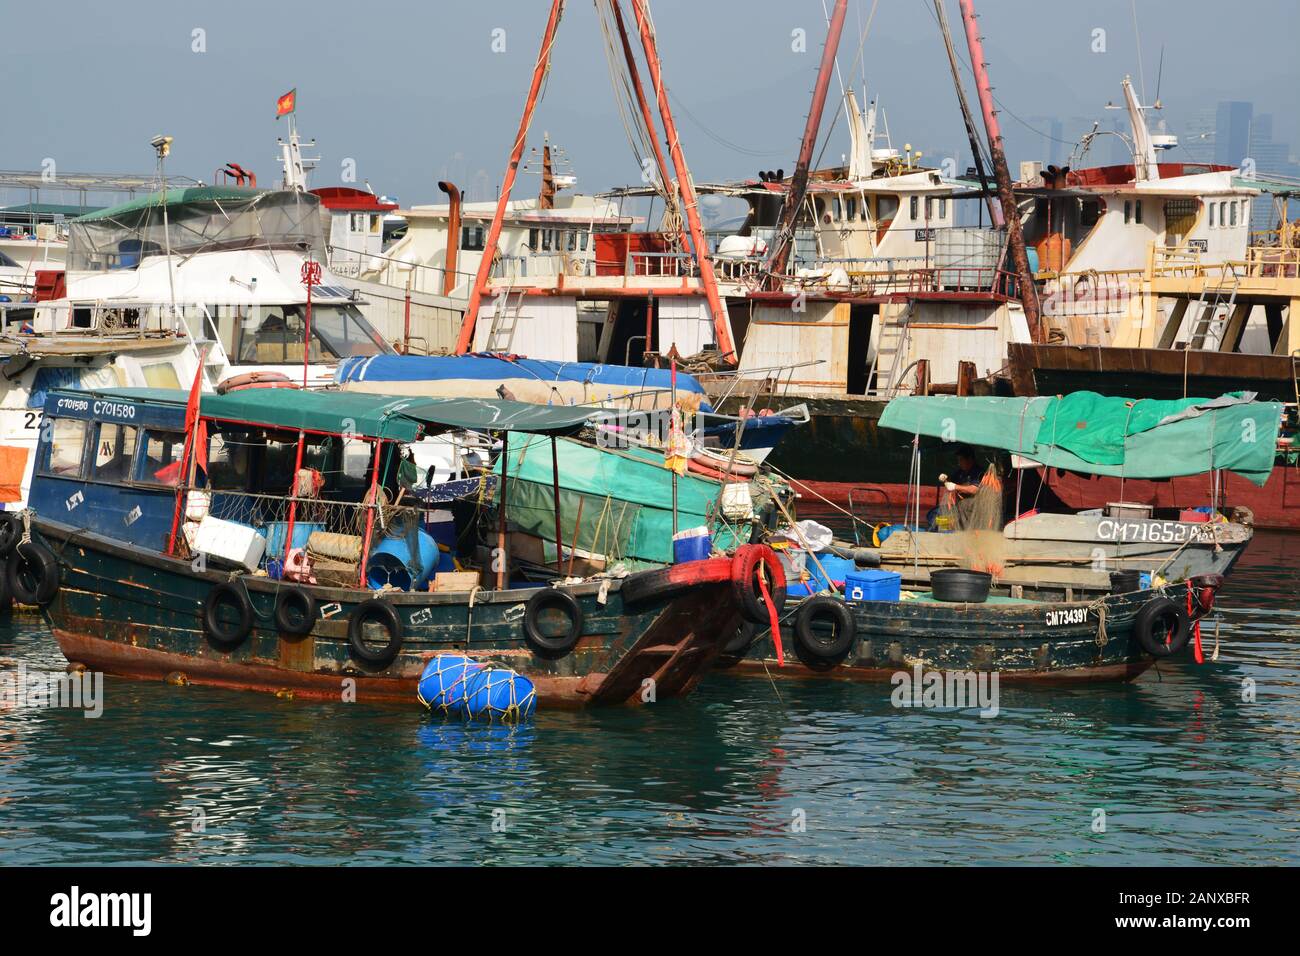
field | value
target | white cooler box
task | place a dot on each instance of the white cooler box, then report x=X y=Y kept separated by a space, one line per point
x=237 y=543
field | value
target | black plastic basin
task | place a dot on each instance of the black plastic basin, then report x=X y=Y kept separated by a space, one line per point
x=960 y=586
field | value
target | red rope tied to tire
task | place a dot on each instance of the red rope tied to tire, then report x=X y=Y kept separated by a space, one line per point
x=1196 y=630
x=771 y=613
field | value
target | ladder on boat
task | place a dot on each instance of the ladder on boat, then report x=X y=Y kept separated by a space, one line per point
x=891 y=344
x=505 y=320
x=1207 y=316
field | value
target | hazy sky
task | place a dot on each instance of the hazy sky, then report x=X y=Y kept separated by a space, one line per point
x=413 y=92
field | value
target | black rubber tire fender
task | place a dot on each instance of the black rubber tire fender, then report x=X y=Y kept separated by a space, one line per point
x=548 y=646
x=11 y=532
x=810 y=645
x=33 y=574
x=295 y=611
x=1148 y=620
x=221 y=633
x=744 y=581
x=386 y=614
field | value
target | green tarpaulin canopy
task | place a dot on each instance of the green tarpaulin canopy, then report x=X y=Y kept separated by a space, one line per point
x=371 y=416
x=626 y=494
x=1099 y=435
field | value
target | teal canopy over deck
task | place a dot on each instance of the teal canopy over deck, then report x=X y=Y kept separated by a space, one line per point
x=1099 y=435
x=369 y=416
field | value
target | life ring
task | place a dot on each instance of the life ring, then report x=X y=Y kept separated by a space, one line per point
x=33 y=574
x=386 y=615
x=264 y=379
x=810 y=641
x=11 y=531
x=552 y=646
x=225 y=634
x=744 y=581
x=295 y=611
x=742 y=467
x=1161 y=627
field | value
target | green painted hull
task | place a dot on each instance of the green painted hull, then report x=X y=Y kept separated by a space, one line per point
x=1021 y=641
x=127 y=610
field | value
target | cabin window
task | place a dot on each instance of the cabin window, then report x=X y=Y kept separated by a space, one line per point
x=358 y=222
x=1137 y=212
x=161 y=464
x=913 y=205
x=532 y=240
x=582 y=241
x=546 y=240
x=229 y=461
x=1223 y=214
x=160 y=375
x=1232 y=212
x=471 y=237
x=67 y=448
x=572 y=243
x=838 y=208
x=886 y=208
x=929 y=208
x=114 y=452
x=1211 y=215
x=374 y=225
x=851 y=209
x=943 y=207
x=1128 y=211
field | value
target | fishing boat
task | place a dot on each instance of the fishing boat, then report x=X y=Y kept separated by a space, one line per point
x=1089 y=434
x=264 y=540
x=1114 y=637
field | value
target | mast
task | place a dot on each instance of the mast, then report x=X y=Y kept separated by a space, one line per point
x=684 y=185
x=1015 y=238
x=634 y=74
x=784 y=237
x=466 y=338
x=995 y=210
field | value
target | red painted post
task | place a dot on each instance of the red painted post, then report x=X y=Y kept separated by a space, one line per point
x=370 y=513
x=799 y=179
x=466 y=338
x=684 y=184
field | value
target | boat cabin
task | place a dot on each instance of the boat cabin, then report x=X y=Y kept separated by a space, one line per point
x=264 y=472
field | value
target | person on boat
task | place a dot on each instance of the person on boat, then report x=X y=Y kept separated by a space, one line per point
x=965 y=481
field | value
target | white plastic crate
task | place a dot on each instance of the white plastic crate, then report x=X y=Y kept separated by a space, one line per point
x=237 y=543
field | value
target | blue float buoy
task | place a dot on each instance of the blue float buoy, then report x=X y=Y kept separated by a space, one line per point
x=459 y=685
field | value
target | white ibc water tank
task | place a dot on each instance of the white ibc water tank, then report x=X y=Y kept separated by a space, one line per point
x=741 y=247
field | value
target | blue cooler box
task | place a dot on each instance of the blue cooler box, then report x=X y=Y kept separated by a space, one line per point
x=873 y=586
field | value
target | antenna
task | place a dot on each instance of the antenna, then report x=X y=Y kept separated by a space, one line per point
x=1160 y=72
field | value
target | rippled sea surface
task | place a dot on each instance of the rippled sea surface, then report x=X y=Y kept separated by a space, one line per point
x=1184 y=769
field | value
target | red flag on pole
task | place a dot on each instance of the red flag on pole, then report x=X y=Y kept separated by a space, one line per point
x=286 y=103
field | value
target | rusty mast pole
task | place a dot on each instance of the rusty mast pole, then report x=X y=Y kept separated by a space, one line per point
x=466 y=338
x=684 y=186
x=650 y=126
x=1010 y=212
x=784 y=237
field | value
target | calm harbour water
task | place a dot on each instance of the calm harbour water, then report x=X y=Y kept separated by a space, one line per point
x=1185 y=771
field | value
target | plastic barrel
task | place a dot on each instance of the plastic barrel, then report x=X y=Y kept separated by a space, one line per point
x=390 y=563
x=443 y=683
x=275 y=531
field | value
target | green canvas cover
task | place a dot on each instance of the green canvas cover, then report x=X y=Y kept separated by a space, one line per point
x=626 y=499
x=371 y=416
x=1101 y=435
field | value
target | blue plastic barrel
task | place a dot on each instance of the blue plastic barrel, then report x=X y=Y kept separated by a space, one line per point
x=275 y=531
x=459 y=686
x=391 y=562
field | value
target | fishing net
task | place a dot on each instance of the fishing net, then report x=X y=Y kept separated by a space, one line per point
x=977 y=521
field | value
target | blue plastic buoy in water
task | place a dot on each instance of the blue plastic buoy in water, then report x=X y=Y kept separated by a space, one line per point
x=455 y=684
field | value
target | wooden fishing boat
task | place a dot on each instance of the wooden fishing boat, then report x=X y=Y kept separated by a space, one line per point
x=129 y=588
x=1114 y=637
